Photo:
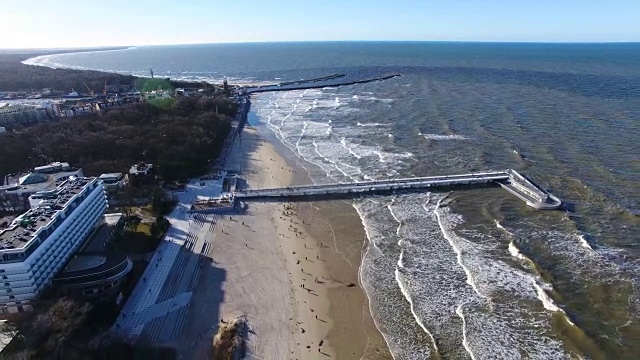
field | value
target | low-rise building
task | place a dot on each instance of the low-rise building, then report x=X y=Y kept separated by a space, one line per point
x=141 y=169
x=95 y=269
x=114 y=181
x=38 y=243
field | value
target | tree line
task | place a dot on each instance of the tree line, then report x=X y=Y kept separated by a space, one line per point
x=16 y=76
x=180 y=139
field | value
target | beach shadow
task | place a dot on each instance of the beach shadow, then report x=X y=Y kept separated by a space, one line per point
x=191 y=273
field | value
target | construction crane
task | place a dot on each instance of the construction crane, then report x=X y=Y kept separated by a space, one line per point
x=88 y=88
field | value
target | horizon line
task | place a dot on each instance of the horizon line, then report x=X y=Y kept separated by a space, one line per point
x=328 y=41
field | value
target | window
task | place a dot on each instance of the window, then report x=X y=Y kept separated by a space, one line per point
x=2 y=270
x=11 y=297
x=9 y=290
x=4 y=277
x=7 y=284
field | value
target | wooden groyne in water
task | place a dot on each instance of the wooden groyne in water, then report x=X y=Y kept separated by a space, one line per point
x=512 y=181
x=317 y=83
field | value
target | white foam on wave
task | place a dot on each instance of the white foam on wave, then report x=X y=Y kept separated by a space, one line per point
x=429 y=276
x=465 y=341
x=544 y=298
x=444 y=137
x=446 y=233
x=368 y=96
x=407 y=295
x=367 y=228
x=390 y=207
x=399 y=346
x=499 y=226
x=584 y=243
x=538 y=283
x=547 y=301
x=372 y=124
x=403 y=290
x=515 y=252
x=343 y=142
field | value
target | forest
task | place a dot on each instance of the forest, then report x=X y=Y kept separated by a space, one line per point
x=180 y=138
x=16 y=76
x=19 y=77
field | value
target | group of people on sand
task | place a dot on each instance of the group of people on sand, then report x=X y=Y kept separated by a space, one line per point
x=289 y=210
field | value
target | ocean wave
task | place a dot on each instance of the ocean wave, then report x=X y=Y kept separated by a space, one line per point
x=343 y=142
x=372 y=124
x=407 y=296
x=584 y=243
x=404 y=337
x=444 y=137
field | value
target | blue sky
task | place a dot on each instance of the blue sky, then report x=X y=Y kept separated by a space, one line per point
x=72 y=23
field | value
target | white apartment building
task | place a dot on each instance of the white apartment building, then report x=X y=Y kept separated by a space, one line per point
x=39 y=242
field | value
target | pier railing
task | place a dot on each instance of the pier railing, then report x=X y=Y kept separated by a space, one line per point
x=511 y=180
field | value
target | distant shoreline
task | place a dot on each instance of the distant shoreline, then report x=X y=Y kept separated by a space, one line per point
x=33 y=60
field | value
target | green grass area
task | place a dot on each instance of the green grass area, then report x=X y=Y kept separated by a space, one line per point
x=144 y=228
x=147 y=211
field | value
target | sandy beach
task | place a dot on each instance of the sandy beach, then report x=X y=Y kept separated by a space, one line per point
x=290 y=269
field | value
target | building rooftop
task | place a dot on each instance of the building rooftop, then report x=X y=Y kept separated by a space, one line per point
x=97 y=241
x=83 y=269
x=140 y=168
x=41 y=178
x=53 y=167
x=79 y=263
x=111 y=177
x=27 y=227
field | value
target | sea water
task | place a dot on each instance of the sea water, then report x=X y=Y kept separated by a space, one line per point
x=471 y=273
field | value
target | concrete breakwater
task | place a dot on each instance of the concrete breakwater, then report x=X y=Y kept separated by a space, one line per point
x=324 y=78
x=317 y=83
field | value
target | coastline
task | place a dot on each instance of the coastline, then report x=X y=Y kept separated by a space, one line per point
x=40 y=54
x=344 y=325
x=339 y=230
x=291 y=268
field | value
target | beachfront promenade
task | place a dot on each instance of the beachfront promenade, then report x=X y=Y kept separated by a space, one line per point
x=158 y=308
x=510 y=180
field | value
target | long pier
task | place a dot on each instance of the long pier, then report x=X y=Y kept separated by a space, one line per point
x=510 y=180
